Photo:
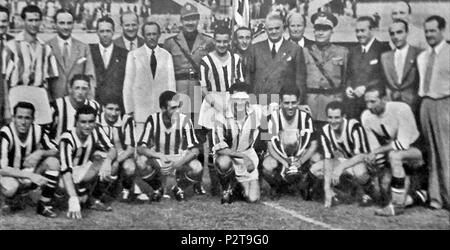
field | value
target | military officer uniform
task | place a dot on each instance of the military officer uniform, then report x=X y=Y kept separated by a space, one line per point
x=186 y=60
x=326 y=66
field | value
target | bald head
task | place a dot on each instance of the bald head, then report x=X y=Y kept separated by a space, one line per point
x=401 y=10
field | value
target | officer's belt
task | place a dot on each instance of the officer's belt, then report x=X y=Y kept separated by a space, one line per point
x=186 y=76
x=325 y=91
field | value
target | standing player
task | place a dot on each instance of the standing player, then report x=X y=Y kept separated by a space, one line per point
x=64 y=108
x=28 y=159
x=344 y=143
x=288 y=117
x=392 y=133
x=167 y=148
x=234 y=135
x=218 y=71
x=83 y=165
x=220 y=68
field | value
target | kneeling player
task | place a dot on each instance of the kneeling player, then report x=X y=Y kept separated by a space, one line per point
x=344 y=143
x=121 y=134
x=392 y=132
x=82 y=164
x=234 y=135
x=292 y=144
x=168 y=148
x=28 y=159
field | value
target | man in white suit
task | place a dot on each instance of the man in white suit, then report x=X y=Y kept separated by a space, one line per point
x=434 y=88
x=149 y=72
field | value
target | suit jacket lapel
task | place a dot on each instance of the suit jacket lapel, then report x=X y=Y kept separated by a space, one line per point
x=142 y=57
x=390 y=66
x=74 y=54
x=97 y=57
x=121 y=43
x=57 y=51
x=112 y=60
x=409 y=61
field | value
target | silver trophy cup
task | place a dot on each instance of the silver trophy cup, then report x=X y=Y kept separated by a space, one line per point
x=290 y=141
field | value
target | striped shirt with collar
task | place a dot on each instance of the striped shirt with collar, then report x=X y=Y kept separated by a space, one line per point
x=216 y=75
x=353 y=140
x=74 y=153
x=169 y=141
x=25 y=66
x=13 y=151
x=63 y=114
x=302 y=121
x=228 y=133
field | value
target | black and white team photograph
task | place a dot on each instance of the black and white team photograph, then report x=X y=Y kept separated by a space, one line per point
x=224 y=115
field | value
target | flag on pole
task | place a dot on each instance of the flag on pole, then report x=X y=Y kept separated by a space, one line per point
x=241 y=11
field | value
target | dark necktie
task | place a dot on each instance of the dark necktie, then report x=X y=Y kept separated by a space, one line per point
x=153 y=63
x=274 y=52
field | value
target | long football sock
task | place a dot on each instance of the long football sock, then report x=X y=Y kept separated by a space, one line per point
x=48 y=191
x=398 y=190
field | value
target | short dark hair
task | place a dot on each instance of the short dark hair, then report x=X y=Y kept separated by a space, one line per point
x=165 y=97
x=402 y=21
x=440 y=20
x=111 y=100
x=24 y=105
x=4 y=9
x=128 y=13
x=105 y=19
x=63 y=10
x=289 y=89
x=409 y=6
x=369 y=19
x=148 y=24
x=222 y=31
x=85 y=110
x=243 y=28
x=381 y=91
x=239 y=87
x=335 y=105
x=30 y=9
x=80 y=77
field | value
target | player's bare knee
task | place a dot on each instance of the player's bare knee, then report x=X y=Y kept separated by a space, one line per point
x=195 y=167
x=129 y=167
x=9 y=186
x=223 y=162
x=269 y=165
x=52 y=163
x=361 y=174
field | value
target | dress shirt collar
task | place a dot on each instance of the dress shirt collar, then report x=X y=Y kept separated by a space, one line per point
x=439 y=47
x=366 y=48
x=277 y=44
x=61 y=42
x=128 y=43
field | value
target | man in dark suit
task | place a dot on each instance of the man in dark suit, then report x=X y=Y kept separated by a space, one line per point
x=129 y=39
x=110 y=62
x=364 y=67
x=275 y=62
x=296 y=24
x=400 y=67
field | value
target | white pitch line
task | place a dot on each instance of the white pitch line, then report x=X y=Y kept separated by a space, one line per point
x=299 y=216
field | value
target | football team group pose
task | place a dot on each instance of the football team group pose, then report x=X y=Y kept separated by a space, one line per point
x=368 y=123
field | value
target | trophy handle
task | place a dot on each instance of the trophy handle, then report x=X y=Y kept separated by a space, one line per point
x=274 y=144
